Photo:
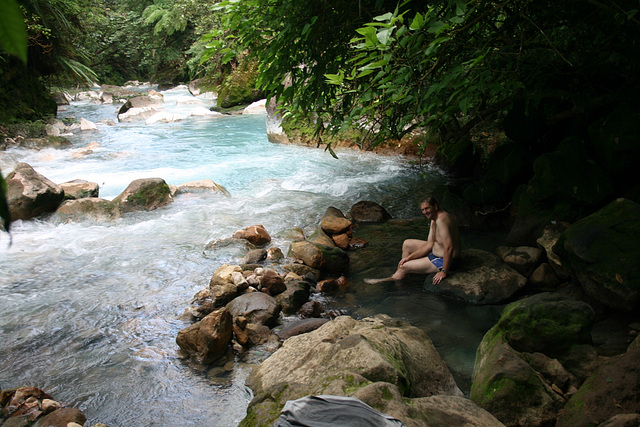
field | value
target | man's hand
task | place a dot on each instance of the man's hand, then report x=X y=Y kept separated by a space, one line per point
x=438 y=277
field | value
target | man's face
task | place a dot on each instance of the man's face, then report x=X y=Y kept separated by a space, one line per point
x=427 y=210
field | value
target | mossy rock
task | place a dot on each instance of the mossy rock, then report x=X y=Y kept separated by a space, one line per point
x=144 y=194
x=547 y=323
x=602 y=249
x=506 y=386
x=240 y=87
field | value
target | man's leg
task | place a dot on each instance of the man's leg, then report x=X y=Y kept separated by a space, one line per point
x=409 y=246
x=415 y=266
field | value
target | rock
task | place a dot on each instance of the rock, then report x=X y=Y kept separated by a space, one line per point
x=253 y=334
x=208 y=339
x=341 y=240
x=311 y=309
x=87 y=125
x=255 y=256
x=144 y=194
x=257 y=107
x=139 y=108
x=611 y=390
x=204 y=185
x=228 y=248
x=548 y=239
x=543 y=279
x=319 y=237
x=256 y=307
x=87 y=209
x=62 y=418
x=602 y=250
x=308 y=253
x=442 y=410
x=294 y=296
x=163 y=117
x=505 y=385
x=336 y=260
x=30 y=194
x=622 y=420
x=480 y=277
x=79 y=189
x=274 y=254
x=327 y=286
x=548 y=323
x=300 y=326
x=273 y=282
x=334 y=222
x=255 y=234
x=343 y=356
x=365 y=211
x=523 y=259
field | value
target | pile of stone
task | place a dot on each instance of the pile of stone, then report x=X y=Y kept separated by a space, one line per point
x=243 y=302
x=27 y=406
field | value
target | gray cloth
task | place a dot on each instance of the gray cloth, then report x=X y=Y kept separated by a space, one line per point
x=332 y=411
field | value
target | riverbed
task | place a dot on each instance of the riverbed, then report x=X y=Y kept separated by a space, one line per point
x=91 y=310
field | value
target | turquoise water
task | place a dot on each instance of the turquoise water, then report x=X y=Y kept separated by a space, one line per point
x=91 y=311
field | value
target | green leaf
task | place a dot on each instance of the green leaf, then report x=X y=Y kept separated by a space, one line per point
x=13 y=32
x=384 y=36
x=417 y=22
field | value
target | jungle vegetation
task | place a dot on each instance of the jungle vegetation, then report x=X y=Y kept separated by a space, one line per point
x=509 y=90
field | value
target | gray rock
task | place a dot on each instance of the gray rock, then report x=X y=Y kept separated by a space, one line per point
x=256 y=307
x=30 y=194
x=479 y=278
x=345 y=355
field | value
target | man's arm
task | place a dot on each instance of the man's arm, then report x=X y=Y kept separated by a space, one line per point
x=446 y=240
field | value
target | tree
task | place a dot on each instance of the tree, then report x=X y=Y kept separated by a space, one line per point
x=393 y=69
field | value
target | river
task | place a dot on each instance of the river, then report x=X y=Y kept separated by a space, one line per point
x=90 y=311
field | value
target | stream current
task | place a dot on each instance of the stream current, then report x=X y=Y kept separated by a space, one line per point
x=90 y=312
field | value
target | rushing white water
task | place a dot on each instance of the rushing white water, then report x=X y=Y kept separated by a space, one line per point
x=90 y=311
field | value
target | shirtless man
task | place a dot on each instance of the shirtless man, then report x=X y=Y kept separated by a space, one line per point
x=435 y=255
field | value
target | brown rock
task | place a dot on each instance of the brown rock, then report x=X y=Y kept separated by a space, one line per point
x=366 y=211
x=208 y=339
x=256 y=234
x=273 y=282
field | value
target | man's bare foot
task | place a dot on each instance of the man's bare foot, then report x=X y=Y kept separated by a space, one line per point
x=374 y=281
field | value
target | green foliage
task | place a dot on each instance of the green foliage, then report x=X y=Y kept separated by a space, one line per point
x=13 y=33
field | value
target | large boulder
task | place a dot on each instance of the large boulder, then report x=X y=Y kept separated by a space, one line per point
x=509 y=388
x=208 y=339
x=30 y=194
x=602 y=250
x=519 y=374
x=548 y=323
x=344 y=356
x=144 y=194
x=613 y=389
x=480 y=277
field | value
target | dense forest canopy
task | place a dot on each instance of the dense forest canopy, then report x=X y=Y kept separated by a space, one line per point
x=550 y=77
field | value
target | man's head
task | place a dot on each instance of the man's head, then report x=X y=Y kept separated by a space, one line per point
x=429 y=207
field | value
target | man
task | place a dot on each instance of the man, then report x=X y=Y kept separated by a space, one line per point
x=435 y=255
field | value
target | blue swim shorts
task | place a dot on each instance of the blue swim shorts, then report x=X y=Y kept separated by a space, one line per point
x=438 y=261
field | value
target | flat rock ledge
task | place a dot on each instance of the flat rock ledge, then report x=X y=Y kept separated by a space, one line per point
x=386 y=363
